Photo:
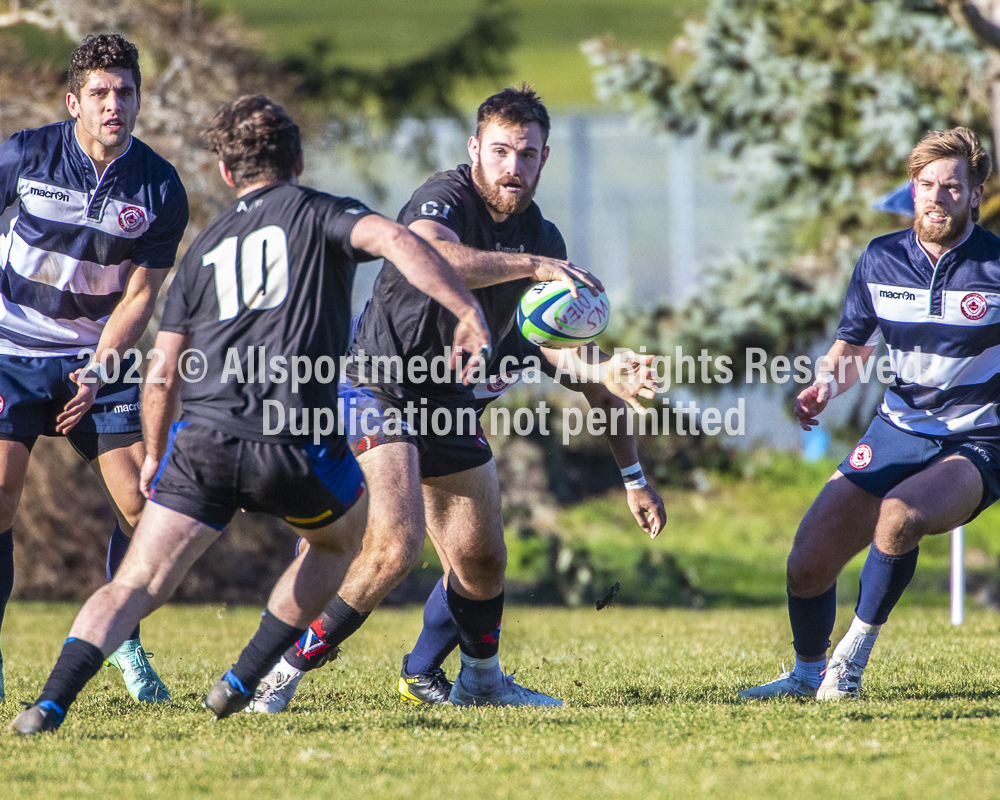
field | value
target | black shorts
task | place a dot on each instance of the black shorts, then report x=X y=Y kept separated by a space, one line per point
x=448 y=439
x=886 y=456
x=208 y=475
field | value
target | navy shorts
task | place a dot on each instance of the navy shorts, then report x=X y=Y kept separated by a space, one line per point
x=448 y=439
x=209 y=475
x=886 y=456
x=33 y=392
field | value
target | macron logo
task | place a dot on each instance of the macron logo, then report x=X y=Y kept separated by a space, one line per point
x=897 y=295
x=125 y=408
x=49 y=194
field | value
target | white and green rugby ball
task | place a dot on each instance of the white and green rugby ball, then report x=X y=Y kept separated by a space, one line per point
x=550 y=316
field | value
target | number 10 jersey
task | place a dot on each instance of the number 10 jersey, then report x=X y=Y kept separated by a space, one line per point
x=264 y=295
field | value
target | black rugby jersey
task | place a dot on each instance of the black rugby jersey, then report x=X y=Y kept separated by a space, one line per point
x=403 y=321
x=268 y=281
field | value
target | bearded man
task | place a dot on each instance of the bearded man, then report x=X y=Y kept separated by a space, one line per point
x=929 y=461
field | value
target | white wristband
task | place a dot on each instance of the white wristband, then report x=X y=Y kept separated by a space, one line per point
x=831 y=381
x=637 y=484
x=95 y=368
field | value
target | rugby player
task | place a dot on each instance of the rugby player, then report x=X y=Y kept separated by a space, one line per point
x=442 y=478
x=929 y=461
x=270 y=280
x=422 y=680
x=90 y=221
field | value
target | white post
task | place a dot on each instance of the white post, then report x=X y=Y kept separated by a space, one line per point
x=958 y=575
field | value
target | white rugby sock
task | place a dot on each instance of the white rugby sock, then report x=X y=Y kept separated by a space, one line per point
x=481 y=675
x=809 y=672
x=858 y=642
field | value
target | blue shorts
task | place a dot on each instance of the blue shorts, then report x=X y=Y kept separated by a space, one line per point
x=208 y=475
x=33 y=392
x=886 y=456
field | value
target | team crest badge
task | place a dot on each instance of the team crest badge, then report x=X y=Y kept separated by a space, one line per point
x=498 y=383
x=974 y=306
x=1 y=405
x=861 y=457
x=131 y=219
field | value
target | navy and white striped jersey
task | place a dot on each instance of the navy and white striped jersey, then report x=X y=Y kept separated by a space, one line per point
x=942 y=327
x=69 y=239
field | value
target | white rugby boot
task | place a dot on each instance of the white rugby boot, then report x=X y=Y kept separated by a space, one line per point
x=508 y=694
x=785 y=685
x=842 y=680
x=276 y=690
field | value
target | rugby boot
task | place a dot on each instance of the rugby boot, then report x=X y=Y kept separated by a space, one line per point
x=785 y=685
x=431 y=687
x=37 y=718
x=141 y=679
x=509 y=694
x=842 y=680
x=228 y=696
x=276 y=690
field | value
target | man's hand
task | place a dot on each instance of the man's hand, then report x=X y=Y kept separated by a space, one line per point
x=74 y=410
x=549 y=269
x=149 y=467
x=472 y=335
x=629 y=375
x=810 y=403
x=647 y=508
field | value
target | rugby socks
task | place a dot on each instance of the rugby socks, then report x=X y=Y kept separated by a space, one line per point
x=883 y=579
x=117 y=548
x=857 y=643
x=481 y=675
x=439 y=635
x=6 y=571
x=272 y=638
x=478 y=624
x=78 y=662
x=812 y=621
x=337 y=622
x=809 y=672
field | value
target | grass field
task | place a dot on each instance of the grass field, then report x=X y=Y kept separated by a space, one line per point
x=652 y=712
x=376 y=32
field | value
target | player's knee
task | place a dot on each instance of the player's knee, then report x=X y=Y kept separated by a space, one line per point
x=806 y=576
x=483 y=566
x=899 y=524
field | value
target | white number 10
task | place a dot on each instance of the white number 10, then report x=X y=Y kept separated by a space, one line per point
x=263 y=278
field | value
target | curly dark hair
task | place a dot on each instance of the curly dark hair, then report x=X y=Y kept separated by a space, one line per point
x=515 y=105
x=103 y=52
x=256 y=140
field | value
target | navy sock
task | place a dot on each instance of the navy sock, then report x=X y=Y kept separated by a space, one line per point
x=6 y=571
x=78 y=662
x=439 y=635
x=812 y=621
x=478 y=623
x=272 y=638
x=116 y=554
x=883 y=579
x=337 y=622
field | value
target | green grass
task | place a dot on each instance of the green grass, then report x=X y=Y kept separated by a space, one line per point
x=652 y=712
x=734 y=538
x=378 y=32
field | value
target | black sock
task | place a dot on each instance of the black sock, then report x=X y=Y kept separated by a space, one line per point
x=812 y=621
x=263 y=651
x=117 y=548
x=78 y=662
x=6 y=572
x=337 y=622
x=478 y=623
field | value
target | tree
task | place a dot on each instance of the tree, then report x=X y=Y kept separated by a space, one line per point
x=812 y=106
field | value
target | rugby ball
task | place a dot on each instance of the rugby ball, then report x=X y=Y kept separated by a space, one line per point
x=550 y=316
